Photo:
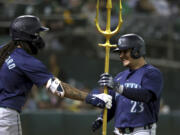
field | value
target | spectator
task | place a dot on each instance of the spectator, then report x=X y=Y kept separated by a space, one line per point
x=145 y=6
x=161 y=7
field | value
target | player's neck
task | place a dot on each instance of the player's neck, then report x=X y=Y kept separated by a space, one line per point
x=138 y=63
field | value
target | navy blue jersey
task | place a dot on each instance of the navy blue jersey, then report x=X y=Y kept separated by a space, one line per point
x=130 y=113
x=17 y=76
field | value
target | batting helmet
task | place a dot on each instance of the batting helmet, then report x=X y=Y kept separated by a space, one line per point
x=26 y=28
x=134 y=42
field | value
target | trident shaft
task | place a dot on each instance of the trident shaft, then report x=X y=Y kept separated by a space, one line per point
x=108 y=34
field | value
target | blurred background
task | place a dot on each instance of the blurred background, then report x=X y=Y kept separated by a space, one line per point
x=72 y=54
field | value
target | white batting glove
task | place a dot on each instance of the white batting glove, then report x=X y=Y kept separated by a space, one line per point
x=106 y=98
x=55 y=86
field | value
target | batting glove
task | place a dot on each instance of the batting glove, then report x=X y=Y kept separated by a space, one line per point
x=55 y=86
x=107 y=80
x=100 y=100
x=97 y=124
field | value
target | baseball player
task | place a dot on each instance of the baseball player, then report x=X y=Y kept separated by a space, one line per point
x=136 y=91
x=19 y=70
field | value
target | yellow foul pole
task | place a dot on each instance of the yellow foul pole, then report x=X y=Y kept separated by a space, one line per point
x=108 y=34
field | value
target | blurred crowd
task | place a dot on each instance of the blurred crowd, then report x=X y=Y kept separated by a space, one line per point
x=70 y=10
x=11 y=8
x=65 y=15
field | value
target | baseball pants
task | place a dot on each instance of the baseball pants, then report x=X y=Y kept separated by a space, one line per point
x=139 y=131
x=10 y=123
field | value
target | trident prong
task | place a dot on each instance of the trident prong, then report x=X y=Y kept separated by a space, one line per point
x=108 y=34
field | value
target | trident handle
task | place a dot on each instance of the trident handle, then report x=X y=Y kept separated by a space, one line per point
x=108 y=34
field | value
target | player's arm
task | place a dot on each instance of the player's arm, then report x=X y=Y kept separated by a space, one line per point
x=139 y=94
x=65 y=90
x=40 y=76
x=151 y=86
x=74 y=93
x=150 y=90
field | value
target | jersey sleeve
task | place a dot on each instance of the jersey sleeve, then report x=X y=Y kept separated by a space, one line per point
x=153 y=81
x=36 y=71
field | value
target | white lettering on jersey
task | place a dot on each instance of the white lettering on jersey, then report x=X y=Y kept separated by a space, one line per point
x=10 y=63
x=132 y=85
x=137 y=107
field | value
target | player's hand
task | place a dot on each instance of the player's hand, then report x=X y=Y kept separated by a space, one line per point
x=97 y=124
x=100 y=100
x=107 y=80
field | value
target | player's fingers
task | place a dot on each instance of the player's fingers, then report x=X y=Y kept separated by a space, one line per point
x=109 y=97
x=106 y=97
x=108 y=105
x=102 y=82
x=108 y=101
x=105 y=78
x=104 y=74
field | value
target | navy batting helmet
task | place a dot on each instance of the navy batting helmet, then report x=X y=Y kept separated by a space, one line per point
x=27 y=28
x=134 y=42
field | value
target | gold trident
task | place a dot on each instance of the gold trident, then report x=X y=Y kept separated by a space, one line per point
x=108 y=34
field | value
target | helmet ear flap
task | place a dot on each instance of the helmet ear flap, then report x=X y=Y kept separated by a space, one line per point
x=36 y=44
x=135 y=53
x=34 y=49
x=39 y=42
